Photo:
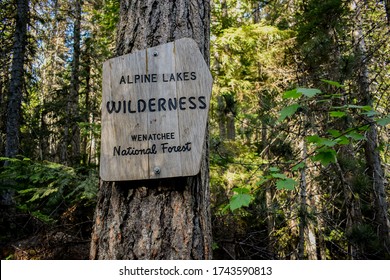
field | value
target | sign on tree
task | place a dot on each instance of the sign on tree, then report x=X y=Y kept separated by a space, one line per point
x=154 y=112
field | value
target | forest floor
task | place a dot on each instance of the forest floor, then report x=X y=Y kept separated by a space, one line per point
x=24 y=237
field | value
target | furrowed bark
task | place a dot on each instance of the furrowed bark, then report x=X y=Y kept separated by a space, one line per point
x=16 y=82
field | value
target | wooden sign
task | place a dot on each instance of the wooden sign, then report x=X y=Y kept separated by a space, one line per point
x=154 y=112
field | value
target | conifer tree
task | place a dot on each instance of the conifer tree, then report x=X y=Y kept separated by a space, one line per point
x=156 y=219
x=16 y=84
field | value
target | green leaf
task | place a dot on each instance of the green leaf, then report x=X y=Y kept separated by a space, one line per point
x=298 y=166
x=308 y=92
x=334 y=132
x=274 y=169
x=288 y=111
x=328 y=142
x=241 y=190
x=351 y=106
x=239 y=200
x=34 y=197
x=292 y=94
x=49 y=192
x=383 y=121
x=359 y=107
x=325 y=156
x=355 y=136
x=42 y=217
x=368 y=108
x=343 y=140
x=337 y=114
x=315 y=139
x=287 y=184
x=279 y=175
x=26 y=191
x=332 y=83
x=370 y=113
x=262 y=181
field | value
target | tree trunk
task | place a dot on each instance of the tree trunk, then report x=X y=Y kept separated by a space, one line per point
x=302 y=203
x=269 y=201
x=73 y=102
x=167 y=218
x=378 y=179
x=16 y=83
x=373 y=159
x=221 y=117
x=87 y=137
x=256 y=11
x=230 y=126
x=225 y=15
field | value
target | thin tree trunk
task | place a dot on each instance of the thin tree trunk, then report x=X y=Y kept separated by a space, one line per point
x=73 y=106
x=157 y=219
x=87 y=137
x=256 y=11
x=317 y=207
x=225 y=14
x=353 y=211
x=16 y=82
x=230 y=125
x=269 y=200
x=302 y=208
x=221 y=117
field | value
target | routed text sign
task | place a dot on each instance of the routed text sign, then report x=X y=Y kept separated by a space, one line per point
x=154 y=112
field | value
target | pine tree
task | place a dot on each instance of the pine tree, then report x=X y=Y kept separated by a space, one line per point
x=16 y=84
x=156 y=219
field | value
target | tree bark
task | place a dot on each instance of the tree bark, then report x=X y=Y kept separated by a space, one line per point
x=221 y=117
x=373 y=160
x=73 y=101
x=167 y=218
x=16 y=82
x=302 y=203
x=378 y=179
x=230 y=126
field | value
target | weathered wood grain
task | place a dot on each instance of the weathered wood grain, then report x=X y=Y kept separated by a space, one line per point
x=164 y=90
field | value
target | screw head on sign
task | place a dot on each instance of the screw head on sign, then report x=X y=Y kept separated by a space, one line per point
x=157 y=170
x=155 y=53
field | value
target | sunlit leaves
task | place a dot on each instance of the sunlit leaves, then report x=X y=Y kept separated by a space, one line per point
x=281 y=180
x=292 y=94
x=337 y=114
x=241 y=198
